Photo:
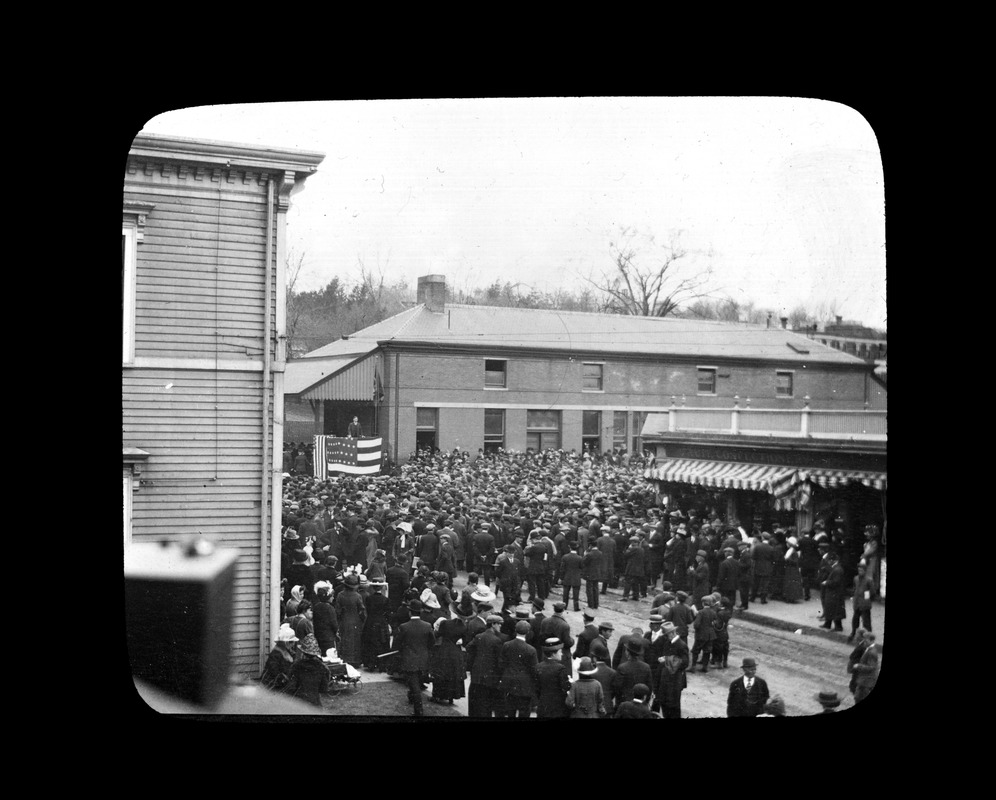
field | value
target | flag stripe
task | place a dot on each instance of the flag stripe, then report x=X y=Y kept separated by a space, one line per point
x=347 y=456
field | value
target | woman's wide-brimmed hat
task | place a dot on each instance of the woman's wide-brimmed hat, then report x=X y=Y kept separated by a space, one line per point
x=429 y=599
x=586 y=667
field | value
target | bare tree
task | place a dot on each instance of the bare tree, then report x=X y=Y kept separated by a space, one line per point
x=295 y=309
x=650 y=280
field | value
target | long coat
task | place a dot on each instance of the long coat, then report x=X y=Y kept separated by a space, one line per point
x=557 y=627
x=570 y=567
x=586 y=698
x=326 y=624
x=309 y=678
x=518 y=669
x=352 y=614
x=484 y=658
x=593 y=566
x=833 y=598
x=415 y=641
x=552 y=686
x=446 y=662
x=608 y=549
x=671 y=679
x=792 y=577
x=728 y=577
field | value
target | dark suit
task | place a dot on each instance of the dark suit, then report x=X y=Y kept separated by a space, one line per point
x=630 y=638
x=570 y=570
x=611 y=685
x=552 y=686
x=742 y=703
x=557 y=627
x=631 y=673
x=592 y=570
x=761 y=557
x=671 y=682
x=415 y=641
x=635 y=577
x=484 y=658
x=518 y=677
x=585 y=638
x=482 y=545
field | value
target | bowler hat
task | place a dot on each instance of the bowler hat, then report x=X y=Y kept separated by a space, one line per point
x=748 y=662
x=828 y=699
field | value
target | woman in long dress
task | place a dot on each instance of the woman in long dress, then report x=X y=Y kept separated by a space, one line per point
x=792 y=576
x=352 y=615
x=376 y=636
x=447 y=665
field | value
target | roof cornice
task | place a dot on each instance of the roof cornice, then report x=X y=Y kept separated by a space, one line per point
x=224 y=154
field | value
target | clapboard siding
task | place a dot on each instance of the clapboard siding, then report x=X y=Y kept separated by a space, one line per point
x=200 y=285
x=199 y=294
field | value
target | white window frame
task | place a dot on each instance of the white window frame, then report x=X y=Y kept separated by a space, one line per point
x=601 y=377
x=504 y=386
x=791 y=377
x=129 y=235
x=128 y=479
x=500 y=444
x=715 y=379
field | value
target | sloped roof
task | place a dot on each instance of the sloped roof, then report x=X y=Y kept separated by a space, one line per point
x=496 y=327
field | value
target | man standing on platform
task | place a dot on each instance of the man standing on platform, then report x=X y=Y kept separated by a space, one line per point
x=355 y=430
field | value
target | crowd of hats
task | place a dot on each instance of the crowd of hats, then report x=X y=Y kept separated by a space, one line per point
x=504 y=485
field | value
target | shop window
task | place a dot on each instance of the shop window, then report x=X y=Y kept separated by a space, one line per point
x=494 y=429
x=783 y=383
x=639 y=420
x=591 y=431
x=619 y=419
x=542 y=430
x=495 y=373
x=592 y=377
x=707 y=380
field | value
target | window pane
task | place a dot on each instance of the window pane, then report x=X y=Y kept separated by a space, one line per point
x=619 y=424
x=425 y=418
x=707 y=381
x=545 y=420
x=783 y=384
x=494 y=422
x=592 y=376
x=494 y=372
x=591 y=422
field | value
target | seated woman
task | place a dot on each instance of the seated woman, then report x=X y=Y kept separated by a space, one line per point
x=309 y=677
x=276 y=673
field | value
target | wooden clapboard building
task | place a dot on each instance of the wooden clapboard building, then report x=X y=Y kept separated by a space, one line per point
x=203 y=239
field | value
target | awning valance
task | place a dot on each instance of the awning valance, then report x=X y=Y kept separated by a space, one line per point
x=724 y=475
x=836 y=478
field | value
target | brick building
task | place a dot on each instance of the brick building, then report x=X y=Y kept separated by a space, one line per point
x=480 y=377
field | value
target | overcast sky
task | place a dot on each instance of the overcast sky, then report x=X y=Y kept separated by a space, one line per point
x=785 y=193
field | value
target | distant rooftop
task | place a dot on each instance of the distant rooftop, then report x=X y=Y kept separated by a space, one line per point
x=584 y=332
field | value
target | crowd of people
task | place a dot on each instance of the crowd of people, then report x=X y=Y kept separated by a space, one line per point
x=369 y=563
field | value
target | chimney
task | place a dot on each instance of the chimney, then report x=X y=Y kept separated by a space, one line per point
x=785 y=322
x=769 y=320
x=432 y=292
x=840 y=319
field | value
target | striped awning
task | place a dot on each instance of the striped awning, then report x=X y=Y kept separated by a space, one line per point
x=835 y=478
x=724 y=475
